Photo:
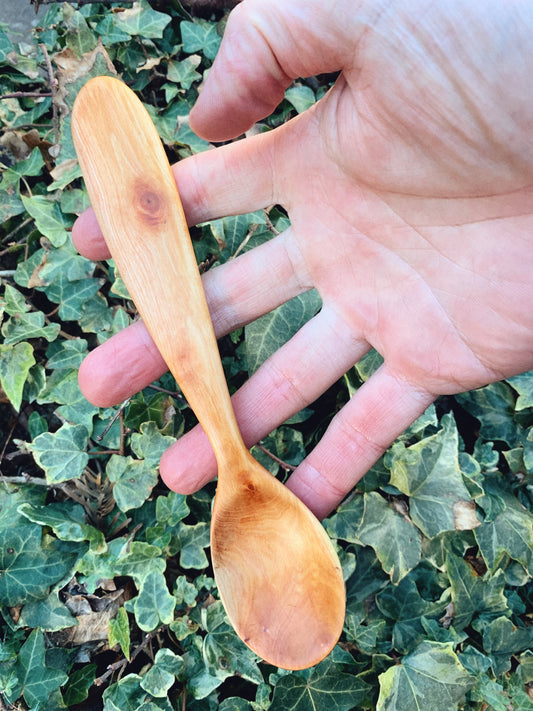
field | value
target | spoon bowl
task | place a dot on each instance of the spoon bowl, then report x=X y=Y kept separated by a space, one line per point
x=277 y=572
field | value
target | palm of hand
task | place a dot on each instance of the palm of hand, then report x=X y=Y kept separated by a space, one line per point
x=410 y=216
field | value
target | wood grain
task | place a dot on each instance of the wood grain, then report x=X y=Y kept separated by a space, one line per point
x=277 y=573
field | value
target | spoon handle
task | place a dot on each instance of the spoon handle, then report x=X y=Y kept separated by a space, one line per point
x=139 y=211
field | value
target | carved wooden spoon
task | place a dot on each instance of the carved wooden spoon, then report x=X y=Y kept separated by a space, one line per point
x=277 y=573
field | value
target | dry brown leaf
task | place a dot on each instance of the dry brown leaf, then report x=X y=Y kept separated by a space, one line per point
x=71 y=69
x=464 y=516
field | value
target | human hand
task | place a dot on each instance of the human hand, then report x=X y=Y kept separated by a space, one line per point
x=409 y=188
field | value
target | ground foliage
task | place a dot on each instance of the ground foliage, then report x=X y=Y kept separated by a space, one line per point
x=107 y=598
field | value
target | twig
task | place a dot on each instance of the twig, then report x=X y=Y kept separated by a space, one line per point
x=112 y=421
x=17 y=228
x=26 y=479
x=118 y=666
x=245 y=241
x=53 y=86
x=78 y=2
x=285 y=465
x=25 y=94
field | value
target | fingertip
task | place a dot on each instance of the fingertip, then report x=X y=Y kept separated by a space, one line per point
x=188 y=464
x=94 y=388
x=87 y=237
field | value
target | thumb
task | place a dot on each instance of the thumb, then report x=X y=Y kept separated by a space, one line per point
x=265 y=46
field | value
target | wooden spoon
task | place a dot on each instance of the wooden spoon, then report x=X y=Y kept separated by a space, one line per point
x=277 y=573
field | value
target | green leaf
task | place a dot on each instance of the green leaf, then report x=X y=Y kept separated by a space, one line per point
x=48 y=217
x=200 y=35
x=62 y=388
x=523 y=384
x=67 y=522
x=27 y=569
x=326 y=687
x=119 y=632
x=78 y=36
x=501 y=636
x=430 y=678
x=141 y=20
x=149 y=444
x=192 y=541
x=223 y=652
x=301 y=97
x=472 y=595
x=269 y=332
x=61 y=454
x=25 y=326
x=171 y=509
x=128 y=695
x=393 y=537
x=49 y=614
x=15 y=364
x=429 y=473
x=494 y=407
x=184 y=72
x=133 y=481
x=154 y=605
x=71 y=295
x=406 y=607
x=162 y=675
x=510 y=533
x=68 y=355
x=37 y=680
x=79 y=683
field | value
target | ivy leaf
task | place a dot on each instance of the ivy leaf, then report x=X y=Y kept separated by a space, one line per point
x=128 y=695
x=24 y=326
x=66 y=521
x=149 y=444
x=235 y=233
x=393 y=537
x=49 y=219
x=62 y=388
x=119 y=632
x=193 y=540
x=431 y=677
x=71 y=295
x=78 y=36
x=133 y=481
x=162 y=675
x=405 y=605
x=493 y=406
x=223 y=652
x=184 y=72
x=154 y=605
x=269 y=332
x=326 y=688
x=37 y=680
x=200 y=35
x=503 y=640
x=14 y=301
x=141 y=20
x=79 y=683
x=523 y=384
x=300 y=96
x=15 y=364
x=472 y=595
x=49 y=614
x=429 y=473
x=509 y=533
x=28 y=570
x=68 y=355
x=61 y=454
x=171 y=509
